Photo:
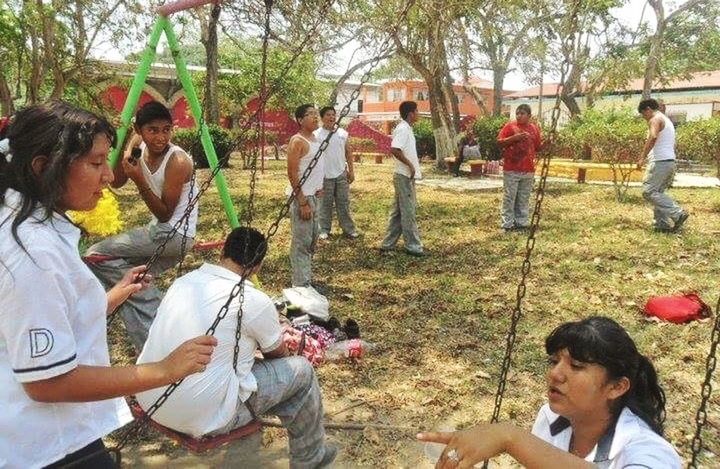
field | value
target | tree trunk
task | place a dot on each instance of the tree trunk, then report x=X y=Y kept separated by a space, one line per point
x=478 y=97
x=655 y=46
x=7 y=106
x=442 y=125
x=211 y=104
x=453 y=100
x=499 y=73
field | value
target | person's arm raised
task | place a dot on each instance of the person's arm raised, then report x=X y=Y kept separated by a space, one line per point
x=177 y=172
x=96 y=383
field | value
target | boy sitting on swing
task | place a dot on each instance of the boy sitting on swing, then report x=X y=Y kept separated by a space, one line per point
x=162 y=173
x=226 y=396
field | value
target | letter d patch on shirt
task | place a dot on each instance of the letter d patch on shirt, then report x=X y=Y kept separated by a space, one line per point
x=41 y=342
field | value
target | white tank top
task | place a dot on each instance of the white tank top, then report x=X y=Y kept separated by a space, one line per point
x=664 y=148
x=156 y=181
x=314 y=182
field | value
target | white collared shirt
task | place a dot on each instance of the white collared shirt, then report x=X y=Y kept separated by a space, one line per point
x=189 y=307
x=632 y=444
x=52 y=318
x=404 y=139
x=335 y=162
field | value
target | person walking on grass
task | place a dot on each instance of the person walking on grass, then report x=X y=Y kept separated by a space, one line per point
x=339 y=174
x=407 y=170
x=659 y=154
x=520 y=140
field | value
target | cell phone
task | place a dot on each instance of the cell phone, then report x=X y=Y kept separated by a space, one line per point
x=135 y=155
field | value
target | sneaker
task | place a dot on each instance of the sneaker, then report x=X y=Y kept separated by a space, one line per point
x=681 y=219
x=328 y=457
x=416 y=253
x=354 y=235
x=323 y=236
x=662 y=229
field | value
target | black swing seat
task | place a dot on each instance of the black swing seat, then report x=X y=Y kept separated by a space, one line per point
x=198 y=445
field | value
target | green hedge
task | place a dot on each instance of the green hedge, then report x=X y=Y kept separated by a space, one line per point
x=486 y=131
x=424 y=137
x=699 y=140
x=189 y=140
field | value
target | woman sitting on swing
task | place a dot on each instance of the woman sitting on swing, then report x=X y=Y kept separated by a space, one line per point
x=606 y=409
x=58 y=391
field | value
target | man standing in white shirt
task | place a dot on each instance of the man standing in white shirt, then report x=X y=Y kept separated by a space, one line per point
x=227 y=396
x=407 y=169
x=302 y=148
x=339 y=174
x=659 y=151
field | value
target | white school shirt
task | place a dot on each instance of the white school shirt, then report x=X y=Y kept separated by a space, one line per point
x=207 y=401
x=335 y=162
x=156 y=181
x=404 y=139
x=314 y=182
x=52 y=319
x=630 y=444
x=664 y=148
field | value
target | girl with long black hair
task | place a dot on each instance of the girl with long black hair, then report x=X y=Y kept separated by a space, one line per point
x=59 y=394
x=606 y=409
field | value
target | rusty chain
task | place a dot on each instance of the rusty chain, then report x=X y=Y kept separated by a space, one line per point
x=511 y=336
x=706 y=390
x=238 y=289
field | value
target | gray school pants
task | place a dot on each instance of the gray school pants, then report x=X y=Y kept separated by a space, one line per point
x=336 y=191
x=304 y=239
x=517 y=187
x=133 y=248
x=658 y=178
x=402 y=218
x=288 y=388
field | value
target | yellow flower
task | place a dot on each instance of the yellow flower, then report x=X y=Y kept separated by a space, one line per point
x=103 y=220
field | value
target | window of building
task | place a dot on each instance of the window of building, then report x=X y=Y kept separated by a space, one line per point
x=420 y=96
x=397 y=94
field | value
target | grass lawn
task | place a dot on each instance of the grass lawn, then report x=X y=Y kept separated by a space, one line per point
x=441 y=321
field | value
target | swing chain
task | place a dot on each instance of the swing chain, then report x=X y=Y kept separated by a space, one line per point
x=534 y=224
x=710 y=363
x=253 y=176
x=238 y=289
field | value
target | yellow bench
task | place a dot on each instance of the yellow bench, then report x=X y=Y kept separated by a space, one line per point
x=588 y=171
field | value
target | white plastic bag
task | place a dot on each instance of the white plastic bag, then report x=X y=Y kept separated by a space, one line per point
x=309 y=301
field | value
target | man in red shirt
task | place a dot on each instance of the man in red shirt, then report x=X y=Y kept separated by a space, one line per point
x=519 y=140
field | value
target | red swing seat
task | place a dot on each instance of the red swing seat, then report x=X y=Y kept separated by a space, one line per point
x=205 y=246
x=198 y=445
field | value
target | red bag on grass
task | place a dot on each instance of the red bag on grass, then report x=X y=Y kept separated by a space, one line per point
x=679 y=309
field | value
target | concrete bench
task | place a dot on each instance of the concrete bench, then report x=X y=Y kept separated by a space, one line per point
x=477 y=167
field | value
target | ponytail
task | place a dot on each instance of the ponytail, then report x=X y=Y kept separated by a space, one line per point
x=646 y=399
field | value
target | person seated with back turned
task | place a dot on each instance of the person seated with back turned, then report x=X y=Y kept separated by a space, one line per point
x=606 y=409
x=222 y=398
x=162 y=173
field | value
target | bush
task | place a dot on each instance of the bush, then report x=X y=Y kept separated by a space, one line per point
x=486 y=131
x=699 y=140
x=615 y=137
x=362 y=145
x=189 y=140
x=424 y=137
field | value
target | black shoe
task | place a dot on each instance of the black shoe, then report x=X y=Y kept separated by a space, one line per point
x=416 y=253
x=351 y=329
x=681 y=219
x=662 y=229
